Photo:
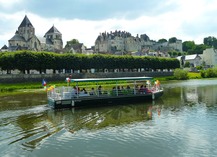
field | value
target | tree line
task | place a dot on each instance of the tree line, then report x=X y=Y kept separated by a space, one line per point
x=40 y=61
x=189 y=47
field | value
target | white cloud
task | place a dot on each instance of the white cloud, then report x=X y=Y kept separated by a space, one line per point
x=190 y=20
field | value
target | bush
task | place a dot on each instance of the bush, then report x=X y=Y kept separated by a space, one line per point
x=209 y=73
x=180 y=74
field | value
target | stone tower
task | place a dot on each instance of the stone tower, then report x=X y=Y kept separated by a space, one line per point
x=25 y=37
x=26 y=29
x=54 y=37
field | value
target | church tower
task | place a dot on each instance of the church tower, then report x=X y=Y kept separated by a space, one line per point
x=25 y=38
x=54 y=38
x=26 y=29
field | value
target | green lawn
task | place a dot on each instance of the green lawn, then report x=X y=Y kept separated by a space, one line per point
x=194 y=75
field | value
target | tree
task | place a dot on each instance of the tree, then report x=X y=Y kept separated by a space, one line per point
x=162 y=40
x=187 y=64
x=188 y=45
x=191 y=48
x=70 y=43
x=210 y=42
x=73 y=41
x=199 y=48
x=172 y=40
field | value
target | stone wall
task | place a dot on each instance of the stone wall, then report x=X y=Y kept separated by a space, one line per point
x=22 y=78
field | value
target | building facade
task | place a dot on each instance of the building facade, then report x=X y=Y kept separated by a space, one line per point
x=210 y=57
x=25 y=39
x=122 y=41
x=194 y=60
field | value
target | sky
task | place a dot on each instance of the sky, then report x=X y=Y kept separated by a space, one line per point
x=188 y=20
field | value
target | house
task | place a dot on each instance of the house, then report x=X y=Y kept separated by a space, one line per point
x=210 y=57
x=4 y=49
x=194 y=60
x=77 y=48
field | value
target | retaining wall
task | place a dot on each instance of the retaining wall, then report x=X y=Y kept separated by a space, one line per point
x=22 y=78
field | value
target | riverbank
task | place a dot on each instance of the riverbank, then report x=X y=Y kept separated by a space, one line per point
x=31 y=78
x=19 y=88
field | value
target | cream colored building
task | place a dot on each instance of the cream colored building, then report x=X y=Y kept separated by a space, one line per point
x=25 y=39
x=210 y=57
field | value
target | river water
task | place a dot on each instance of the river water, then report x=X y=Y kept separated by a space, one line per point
x=183 y=122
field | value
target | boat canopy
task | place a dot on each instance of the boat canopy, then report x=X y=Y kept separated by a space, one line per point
x=111 y=79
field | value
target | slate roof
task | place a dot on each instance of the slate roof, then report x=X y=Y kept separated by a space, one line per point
x=25 y=22
x=15 y=48
x=53 y=30
x=189 y=57
x=77 y=46
x=17 y=37
x=4 y=47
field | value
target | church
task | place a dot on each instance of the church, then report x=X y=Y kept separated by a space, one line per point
x=25 y=39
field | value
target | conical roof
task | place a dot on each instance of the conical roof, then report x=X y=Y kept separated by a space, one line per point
x=53 y=30
x=26 y=22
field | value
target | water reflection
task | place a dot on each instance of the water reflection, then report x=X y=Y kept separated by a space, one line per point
x=191 y=92
x=34 y=125
x=97 y=118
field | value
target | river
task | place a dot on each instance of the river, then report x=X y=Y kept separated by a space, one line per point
x=183 y=122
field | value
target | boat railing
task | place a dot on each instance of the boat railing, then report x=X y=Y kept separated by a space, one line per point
x=62 y=93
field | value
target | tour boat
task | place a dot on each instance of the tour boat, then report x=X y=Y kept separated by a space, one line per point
x=103 y=91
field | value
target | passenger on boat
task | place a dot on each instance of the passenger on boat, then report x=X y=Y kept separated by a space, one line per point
x=136 y=89
x=92 y=92
x=146 y=90
x=128 y=87
x=74 y=91
x=83 y=91
x=77 y=90
x=142 y=89
x=119 y=90
x=100 y=90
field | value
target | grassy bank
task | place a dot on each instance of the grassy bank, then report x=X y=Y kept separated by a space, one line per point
x=14 y=88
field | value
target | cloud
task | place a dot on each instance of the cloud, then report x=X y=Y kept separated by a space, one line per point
x=85 y=19
x=6 y=5
x=95 y=9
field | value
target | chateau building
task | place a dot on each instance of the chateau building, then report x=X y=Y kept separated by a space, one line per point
x=25 y=39
x=122 y=41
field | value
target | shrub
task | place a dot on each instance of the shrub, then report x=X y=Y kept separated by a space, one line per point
x=209 y=73
x=181 y=74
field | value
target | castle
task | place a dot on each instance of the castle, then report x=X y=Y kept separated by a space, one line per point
x=25 y=39
x=124 y=42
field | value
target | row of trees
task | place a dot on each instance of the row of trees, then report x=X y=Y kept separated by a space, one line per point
x=40 y=61
x=189 y=47
x=171 y=40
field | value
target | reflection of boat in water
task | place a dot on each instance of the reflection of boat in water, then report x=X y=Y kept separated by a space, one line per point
x=125 y=89
x=97 y=118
